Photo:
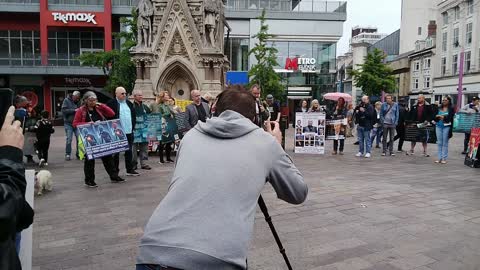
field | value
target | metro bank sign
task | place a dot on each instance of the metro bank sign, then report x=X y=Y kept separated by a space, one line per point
x=74 y=17
x=302 y=64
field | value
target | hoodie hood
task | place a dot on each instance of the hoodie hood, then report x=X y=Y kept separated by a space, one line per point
x=229 y=125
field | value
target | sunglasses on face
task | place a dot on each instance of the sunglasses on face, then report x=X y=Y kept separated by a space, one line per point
x=123 y=94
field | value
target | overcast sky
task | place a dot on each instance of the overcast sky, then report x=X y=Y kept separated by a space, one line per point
x=384 y=14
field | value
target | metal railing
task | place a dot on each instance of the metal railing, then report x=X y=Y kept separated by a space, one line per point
x=21 y=1
x=34 y=60
x=312 y=6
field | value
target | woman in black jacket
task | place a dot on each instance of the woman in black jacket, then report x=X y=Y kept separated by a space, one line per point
x=444 y=124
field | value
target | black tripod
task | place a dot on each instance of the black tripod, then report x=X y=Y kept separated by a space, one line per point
x=264 y=209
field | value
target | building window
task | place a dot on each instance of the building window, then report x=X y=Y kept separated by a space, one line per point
x=456 y=33
x=416 y=65
x=444 y=66
x=64 y=47
x=427 y=63
x=445 y=18
x=468 y=61
x=20 y=48
x=237 y=52
x=419 y=31
x=455 y=64
x=426 y=82
x=469 y=33
x=415 y=84
x=456 y=11
x=444 y=41
x=469 y=7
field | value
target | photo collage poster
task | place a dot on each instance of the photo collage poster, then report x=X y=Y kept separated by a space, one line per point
x=103 y=138
x=473 y=145
x=310 y=133
x=336 y=129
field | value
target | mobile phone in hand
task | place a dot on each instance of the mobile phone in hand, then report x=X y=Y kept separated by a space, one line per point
x=6 y=100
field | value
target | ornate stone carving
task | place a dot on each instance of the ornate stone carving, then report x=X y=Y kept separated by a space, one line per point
x=144 y=23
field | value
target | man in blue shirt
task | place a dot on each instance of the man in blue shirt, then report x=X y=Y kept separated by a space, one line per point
x=125 y=112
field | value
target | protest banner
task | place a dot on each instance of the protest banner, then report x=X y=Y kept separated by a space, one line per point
x=419 y=132
x=182 y=104
x=153 y=127
x=336 y=129
x=169 y=130
x=310 y=133
x=472 y=159
x=103 y=138
x=182 y=122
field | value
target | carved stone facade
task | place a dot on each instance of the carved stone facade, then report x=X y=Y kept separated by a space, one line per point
x=186 y=48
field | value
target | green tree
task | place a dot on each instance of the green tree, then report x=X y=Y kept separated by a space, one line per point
x=263 y=73
x=117 y=64
x=374 y=76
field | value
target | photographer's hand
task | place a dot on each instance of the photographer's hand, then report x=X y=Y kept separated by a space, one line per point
x=11 y=133
x=276 y=130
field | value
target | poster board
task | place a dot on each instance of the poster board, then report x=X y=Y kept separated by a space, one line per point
x=103 y=138
x=26 y=242
x=310 y=133
x=336 y=129
x=472 y=159
x=182 y=104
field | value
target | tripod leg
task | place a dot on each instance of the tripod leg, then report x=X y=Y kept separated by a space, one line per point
x=263 y=207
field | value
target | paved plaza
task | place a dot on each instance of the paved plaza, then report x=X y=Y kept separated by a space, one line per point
x=384 y=213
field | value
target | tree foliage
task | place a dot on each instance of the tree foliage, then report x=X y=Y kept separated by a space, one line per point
x=117 y=64
x=374 y=76
x=263 y=73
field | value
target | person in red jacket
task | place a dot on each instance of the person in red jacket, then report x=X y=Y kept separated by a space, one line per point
x=92 y=112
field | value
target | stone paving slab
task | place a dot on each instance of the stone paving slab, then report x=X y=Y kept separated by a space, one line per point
x=398 y=213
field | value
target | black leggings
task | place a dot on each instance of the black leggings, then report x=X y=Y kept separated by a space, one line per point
x=335 y=145
x=168 y=150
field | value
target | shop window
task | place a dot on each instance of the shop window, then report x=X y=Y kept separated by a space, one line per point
x=237 y=52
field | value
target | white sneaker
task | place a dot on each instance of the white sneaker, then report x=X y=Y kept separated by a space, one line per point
x=359 y=154
x=41 y=163
x=368 y=155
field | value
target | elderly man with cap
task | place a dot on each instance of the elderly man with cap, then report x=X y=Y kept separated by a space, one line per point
x=69 y=106
x=273 y=108
x=125 y=112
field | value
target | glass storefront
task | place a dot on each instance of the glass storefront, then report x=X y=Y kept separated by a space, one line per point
x=64 y=47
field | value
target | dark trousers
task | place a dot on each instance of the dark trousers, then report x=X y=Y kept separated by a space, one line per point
x=335 y=145
x=42 y=148
x=89 y=168
x=466 y=141
x=168 y=150
x=400 y=135
x=128 y=156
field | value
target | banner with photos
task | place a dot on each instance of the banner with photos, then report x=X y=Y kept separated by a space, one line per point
x=103 y=138
x=310 y=133
x=472 y=159
x=336 y=129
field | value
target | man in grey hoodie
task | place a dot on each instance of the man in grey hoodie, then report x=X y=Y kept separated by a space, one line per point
x=69 y=107
x=206 y=219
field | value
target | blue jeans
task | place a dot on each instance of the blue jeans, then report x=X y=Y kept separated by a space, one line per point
x=18 y=239
x=376 y=133
x=70 y=132
x=442 y=141
x=364 y=140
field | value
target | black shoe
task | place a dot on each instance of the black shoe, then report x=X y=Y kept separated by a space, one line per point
x=464 y=152
x=132 y=173
x=170 y=161
x=356 y=143
x=91 y=184
x=146 y=167
x=117 y=179
x=161 y=162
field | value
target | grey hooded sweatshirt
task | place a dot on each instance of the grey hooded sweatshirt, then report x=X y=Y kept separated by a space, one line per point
x=206 y=219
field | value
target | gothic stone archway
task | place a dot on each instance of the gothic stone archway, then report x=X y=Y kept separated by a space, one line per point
x=178 y=80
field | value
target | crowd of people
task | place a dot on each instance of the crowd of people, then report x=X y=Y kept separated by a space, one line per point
x=383 y=123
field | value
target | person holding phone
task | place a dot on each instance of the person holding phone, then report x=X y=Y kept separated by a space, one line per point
x=444 y=120
x=15 y=213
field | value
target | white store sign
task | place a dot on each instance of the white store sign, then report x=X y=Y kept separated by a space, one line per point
x=74 y=17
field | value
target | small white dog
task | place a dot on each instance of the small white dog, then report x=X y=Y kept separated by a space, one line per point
x=43 y=181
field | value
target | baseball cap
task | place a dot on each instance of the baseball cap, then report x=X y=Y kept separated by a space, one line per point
x=269 y=96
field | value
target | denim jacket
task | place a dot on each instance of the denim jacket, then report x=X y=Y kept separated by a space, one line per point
x=395 y=110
